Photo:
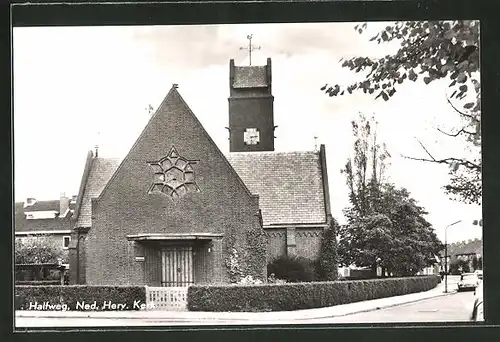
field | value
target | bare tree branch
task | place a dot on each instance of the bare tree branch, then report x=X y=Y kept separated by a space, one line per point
x=430 y=155
x=472 y=117
x=468 y=164
x=456 y=134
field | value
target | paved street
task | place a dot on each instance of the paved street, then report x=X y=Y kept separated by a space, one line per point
x=455 y=307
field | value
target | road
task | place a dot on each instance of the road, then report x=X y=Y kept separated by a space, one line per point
x=452 y=308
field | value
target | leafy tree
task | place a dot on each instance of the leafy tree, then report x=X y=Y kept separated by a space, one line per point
x=37 y=250
x=385 y=226
x=414 y=242
x=397 y=238
x=430 y=51
x=328 y=260
x=458 y=266
x=366 y=241
x=477 y=263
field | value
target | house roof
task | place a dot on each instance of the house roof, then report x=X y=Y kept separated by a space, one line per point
x=22 y=224
x=469 y=247
x=250 y=77
x=289 y=184
x=42 y=206
x=101 y=171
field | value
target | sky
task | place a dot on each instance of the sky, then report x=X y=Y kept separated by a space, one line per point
x=77 y=87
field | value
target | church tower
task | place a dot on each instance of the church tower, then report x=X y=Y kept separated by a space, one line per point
x=251 y=121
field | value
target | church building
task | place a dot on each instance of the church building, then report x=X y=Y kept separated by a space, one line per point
x=177 y=211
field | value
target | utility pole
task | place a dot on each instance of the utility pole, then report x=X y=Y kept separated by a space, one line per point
x=250 y=48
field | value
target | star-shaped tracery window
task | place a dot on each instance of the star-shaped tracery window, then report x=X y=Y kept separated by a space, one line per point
x=173 y=175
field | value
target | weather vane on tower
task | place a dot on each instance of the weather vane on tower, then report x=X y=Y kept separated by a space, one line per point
x=250 y=48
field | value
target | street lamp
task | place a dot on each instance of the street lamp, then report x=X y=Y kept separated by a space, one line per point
x=446 y=255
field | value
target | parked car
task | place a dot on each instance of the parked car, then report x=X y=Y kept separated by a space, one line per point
x=468 y=281
x=477 y=310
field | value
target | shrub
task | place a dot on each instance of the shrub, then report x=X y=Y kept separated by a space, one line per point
x=38 y=282
x=273 y=280
x=36 y=250
x=292 y=269
x=284 y=297
x=249 y=280
x=75 y=296
x=327 y=264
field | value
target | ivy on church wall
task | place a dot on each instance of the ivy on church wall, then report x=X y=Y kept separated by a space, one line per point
x=251 y=261
x=256 y=253
x=232 y=258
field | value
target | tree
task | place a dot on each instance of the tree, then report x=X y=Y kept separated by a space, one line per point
x=414 y=242
x=366 y=241
x=365 y=170
x=37 y=250
x=477 y=263
x=328 y=260
x=385 y=226
x=396 y=238
x=458 y=266
x=436 y=50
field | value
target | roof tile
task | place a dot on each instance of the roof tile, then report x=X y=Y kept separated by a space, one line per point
x=289 y=184
x=250 y=77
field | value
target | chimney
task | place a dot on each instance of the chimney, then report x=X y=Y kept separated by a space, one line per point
x=96 y=151
x=63 y=204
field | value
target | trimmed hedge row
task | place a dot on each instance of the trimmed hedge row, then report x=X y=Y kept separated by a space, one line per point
x=79 y=297
x=38 y=282
x=297 y=296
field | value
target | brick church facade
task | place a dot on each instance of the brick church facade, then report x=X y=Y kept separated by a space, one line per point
x=177 y=211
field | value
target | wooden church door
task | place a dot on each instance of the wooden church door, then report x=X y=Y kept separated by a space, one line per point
x=177 y=266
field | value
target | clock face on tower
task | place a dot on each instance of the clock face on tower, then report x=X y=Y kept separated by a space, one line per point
x=251 y=136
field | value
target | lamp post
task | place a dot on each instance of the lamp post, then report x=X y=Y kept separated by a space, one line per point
x=446 y=255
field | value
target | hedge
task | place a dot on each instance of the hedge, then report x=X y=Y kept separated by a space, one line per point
x=297 y=296
x=79 y=297
x=38 y=282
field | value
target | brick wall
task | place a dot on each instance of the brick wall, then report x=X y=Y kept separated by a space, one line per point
x=125 y=207
x=308 y=242
x=252 y=112
x=276 y=243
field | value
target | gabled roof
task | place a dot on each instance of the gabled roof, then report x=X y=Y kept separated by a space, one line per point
x=469 y=247
x=48 y=224
x=101 y=171
x=250 y=77
x=42 y=206
x=289 y=185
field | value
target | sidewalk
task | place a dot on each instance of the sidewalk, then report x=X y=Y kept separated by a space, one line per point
x=333 y=311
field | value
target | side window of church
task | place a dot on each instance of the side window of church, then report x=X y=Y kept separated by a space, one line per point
x=251 y=136
x=66 y=241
